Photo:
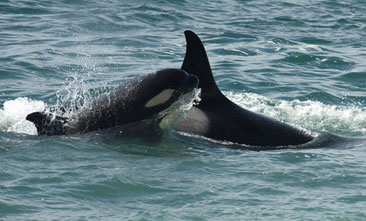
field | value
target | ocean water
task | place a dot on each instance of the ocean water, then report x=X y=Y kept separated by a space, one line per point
x=302 y=62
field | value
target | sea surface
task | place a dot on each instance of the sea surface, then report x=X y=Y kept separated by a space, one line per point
x=301 y=62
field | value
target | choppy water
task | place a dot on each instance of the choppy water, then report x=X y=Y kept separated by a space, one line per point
x=302 y=62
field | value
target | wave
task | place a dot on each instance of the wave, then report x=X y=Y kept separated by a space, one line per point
x=14 y=112
x=309 y=115
x=312 y=115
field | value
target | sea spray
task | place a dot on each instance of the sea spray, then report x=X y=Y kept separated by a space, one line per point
x=179 y=109
x=311 y=115
x=14 y=112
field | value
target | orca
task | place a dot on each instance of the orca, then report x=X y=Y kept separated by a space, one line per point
x=146 y=99
x=218 y=118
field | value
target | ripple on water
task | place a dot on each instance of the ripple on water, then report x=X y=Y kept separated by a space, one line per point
x=317 y=61
x=309 y=54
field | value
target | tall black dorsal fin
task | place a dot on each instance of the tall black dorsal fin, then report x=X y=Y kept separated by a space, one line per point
x=196 y=63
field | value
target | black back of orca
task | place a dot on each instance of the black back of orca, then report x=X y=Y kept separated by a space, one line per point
x=135 y=101
x=218 y=118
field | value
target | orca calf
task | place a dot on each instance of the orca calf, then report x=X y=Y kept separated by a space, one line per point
x=218 y=118
x=143 y=99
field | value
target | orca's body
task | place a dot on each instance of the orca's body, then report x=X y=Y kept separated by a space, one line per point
x=218 y=118
x=144 y=98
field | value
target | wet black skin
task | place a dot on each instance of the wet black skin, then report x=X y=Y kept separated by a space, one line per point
x=218 y=118
x=124 y=105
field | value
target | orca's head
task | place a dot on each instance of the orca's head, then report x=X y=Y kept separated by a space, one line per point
x=157 y=91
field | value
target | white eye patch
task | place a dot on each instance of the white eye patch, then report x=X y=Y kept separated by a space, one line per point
x=161 y=98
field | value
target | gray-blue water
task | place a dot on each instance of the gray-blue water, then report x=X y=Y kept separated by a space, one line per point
x=302 y=62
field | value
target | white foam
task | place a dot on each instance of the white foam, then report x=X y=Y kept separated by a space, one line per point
x=312 y=115
x=14 y=112
x=304 y=47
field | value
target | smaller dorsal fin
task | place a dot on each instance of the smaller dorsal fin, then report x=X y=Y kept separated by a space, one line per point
x=196 y=63
x=47 y=123
x=39 y=119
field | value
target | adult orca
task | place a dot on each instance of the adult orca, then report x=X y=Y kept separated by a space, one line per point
x=147 y=99
x=218 y=118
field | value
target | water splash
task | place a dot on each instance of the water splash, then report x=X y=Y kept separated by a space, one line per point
x=14 y=112
x=178 y=109
x=72 y=96
x=312 y=115
x=82 y=85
